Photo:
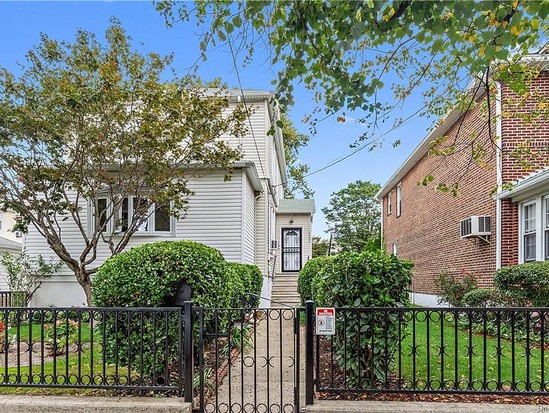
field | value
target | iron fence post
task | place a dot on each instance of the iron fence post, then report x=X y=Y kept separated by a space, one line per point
x=309 y=352
x=189 y=356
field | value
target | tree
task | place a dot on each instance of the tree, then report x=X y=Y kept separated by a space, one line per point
x=353 y=216
x=293 y=140
x=320 y=247
x=87 y=125
x=345 y=51
x=25 y=275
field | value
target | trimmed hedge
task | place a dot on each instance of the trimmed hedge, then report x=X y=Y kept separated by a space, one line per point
x=251 y=283
x=367 y=279
x=524 y=284
x=148 y=276
x=312 y=268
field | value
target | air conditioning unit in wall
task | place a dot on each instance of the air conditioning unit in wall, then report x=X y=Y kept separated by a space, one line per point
x=274 y=244
x=475 y=226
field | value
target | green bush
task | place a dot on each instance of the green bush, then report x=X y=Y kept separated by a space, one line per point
x=249 y=283
x=524 y=284
x=482 y=297
x=312 y=268
x=367 y=279
x=452 y=289
x=148 y=276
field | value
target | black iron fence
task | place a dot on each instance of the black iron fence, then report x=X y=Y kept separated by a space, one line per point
x=431 y=350
x=103 y=348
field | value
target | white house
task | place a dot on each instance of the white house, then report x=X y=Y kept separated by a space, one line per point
x=238 y=217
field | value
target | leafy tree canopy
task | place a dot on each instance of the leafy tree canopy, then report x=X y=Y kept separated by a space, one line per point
x=320 y=247
x=87 y=121
x=346 y=50
x=297 y=172
x=353 y=216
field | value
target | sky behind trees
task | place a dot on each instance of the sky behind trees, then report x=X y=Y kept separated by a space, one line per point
x=22 y=22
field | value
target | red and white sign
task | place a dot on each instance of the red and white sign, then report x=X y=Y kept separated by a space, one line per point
x=325 y=321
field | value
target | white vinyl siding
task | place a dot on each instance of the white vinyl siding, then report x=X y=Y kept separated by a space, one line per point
x=261 y=232
x=248 y=229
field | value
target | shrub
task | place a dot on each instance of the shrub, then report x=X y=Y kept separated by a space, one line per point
x=451 y=289
x=367 y=279
x=252 y=282
x=524 y=284
x=148 y=276
x=59 y=335
x=312 y=268
x=482 y=297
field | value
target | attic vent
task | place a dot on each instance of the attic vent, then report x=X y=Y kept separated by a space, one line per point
x=475 y=226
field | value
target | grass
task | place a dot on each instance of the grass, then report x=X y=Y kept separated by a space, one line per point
x=454 y=354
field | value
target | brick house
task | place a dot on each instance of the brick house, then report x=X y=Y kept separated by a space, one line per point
x=486 y=226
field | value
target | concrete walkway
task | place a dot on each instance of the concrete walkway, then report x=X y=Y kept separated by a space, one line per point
x=264 y=375
x=72 y=404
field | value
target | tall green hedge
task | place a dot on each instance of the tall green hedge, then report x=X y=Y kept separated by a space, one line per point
x=148 y=276
x=251 y=283
x=312 y=268
x=367 y=279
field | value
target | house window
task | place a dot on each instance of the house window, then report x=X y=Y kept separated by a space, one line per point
x=291 y=249
x=159 y=222
x=399 y=200
x=395 y=249
x=389 y=203
x=529 y=231
x=546 y=231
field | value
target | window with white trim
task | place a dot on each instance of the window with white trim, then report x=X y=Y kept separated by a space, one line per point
x=529 y=232
x=546 y=229
x=157 y=222
x=534 y=229
x=399 y=200
x=389 y=202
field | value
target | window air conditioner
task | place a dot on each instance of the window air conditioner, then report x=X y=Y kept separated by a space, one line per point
x=274 y=244
x=475 y=226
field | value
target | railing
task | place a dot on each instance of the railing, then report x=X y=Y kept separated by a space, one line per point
x=102 y=348
x=13 y=299
x=433 y=350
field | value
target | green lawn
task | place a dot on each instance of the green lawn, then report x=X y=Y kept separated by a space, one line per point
x=428 y=335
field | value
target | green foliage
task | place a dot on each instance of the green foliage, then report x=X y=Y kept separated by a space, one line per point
x=353 y=216
x=347 y=50
x=524 y=284
x=481 y=297
x=248 y=283
x=148 y=276
x=92 y=119
x=60 y=334
x=368 y=279
x=293 y=141
x=25 y=275
x=452 y=289
x=320 y=247
x=312 y=268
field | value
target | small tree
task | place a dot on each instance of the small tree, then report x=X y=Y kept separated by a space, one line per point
x=320 y=247
x=87 y=126
x=25 y=274
x=353 y=216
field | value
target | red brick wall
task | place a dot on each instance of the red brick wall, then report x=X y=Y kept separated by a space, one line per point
x=525 y=128
x=428 y=230
x=509 y=233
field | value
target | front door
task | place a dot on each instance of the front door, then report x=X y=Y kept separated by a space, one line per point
x=291 y=249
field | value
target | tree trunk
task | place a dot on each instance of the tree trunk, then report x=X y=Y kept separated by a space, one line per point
x=85 y=282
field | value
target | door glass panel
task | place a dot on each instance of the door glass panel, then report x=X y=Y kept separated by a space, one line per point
x=291 y=249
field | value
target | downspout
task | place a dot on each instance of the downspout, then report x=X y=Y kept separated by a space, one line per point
x=499 y=172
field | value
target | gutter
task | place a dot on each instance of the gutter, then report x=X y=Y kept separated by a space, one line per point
x=499 y=172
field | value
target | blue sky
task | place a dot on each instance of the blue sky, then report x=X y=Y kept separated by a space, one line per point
x=22 y=22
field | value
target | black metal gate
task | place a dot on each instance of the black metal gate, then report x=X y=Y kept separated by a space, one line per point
x=248 y=360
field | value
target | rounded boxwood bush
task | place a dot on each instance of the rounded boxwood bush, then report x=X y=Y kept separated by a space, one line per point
x=148 y=276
